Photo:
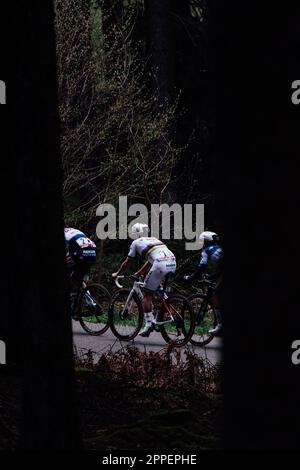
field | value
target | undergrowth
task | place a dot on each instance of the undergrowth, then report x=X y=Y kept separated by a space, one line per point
x=132 y=399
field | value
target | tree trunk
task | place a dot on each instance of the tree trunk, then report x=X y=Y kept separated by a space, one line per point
x=41 y=319
x=160 y=42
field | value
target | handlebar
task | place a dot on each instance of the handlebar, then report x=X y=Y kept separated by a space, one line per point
x=135 y=278
x=203 y=280
x=117 y=281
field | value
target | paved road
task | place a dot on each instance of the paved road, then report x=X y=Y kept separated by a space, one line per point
x=100 y=344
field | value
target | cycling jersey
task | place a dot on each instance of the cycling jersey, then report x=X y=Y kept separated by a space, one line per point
x=211 y=260
x=151 y=249
x=156 y=253
x=79 y=246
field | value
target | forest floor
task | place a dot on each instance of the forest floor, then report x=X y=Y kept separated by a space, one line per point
x=136 y=400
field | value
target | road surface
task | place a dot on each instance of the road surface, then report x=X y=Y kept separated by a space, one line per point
x=106 y=342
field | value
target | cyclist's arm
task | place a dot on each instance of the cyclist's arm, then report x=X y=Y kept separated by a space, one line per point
x=144 y=269
x=201 y=268
x=123 y=267
x=196 y=274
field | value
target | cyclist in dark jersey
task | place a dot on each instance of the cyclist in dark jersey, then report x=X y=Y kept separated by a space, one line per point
x=211 y=264
x=81 y=253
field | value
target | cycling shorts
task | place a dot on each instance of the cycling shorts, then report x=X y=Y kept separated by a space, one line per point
x=157 y=273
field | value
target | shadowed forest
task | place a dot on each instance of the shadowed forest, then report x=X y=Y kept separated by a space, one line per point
x=135 y=111
x=134 y=118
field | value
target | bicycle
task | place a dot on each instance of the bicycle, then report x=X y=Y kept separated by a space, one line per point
x=174 y=319
x=205 y=318
x=89 y=305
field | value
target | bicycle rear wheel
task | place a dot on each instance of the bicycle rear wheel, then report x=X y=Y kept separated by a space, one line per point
x=205 y=320
x=93 y=307
x=125 y=318
x=181 y=327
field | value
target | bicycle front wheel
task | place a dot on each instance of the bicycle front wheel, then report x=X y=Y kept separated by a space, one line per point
x=178 y=315
x=205 y=320
x=125 y=315
x=93 y=307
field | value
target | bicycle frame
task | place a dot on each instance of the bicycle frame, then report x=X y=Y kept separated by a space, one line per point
x=137 y=289
x=76 y=295
x=207 y=297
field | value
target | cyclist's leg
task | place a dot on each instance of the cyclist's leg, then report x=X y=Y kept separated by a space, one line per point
x=148 y=306
x=157 y=274
x=84 y=267
x=215 y=301
x=75 y=283
x=152 y=282
x=217 y=306
x=78 y=275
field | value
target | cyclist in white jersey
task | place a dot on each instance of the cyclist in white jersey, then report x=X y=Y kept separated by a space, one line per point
x=159 y=262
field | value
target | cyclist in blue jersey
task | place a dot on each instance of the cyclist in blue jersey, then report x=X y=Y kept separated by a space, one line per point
x=80 y=253
x=211 y=264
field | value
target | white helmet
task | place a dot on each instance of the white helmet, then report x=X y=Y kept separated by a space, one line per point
x=139 y=229
x=208 y=237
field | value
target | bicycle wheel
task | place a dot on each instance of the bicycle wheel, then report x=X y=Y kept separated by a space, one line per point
x=125 y=317
x=93 y=307
x=205 y=320
x=179 y=313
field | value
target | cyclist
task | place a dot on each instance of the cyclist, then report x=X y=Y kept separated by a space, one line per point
x=211 y=260
x=80 y=253
x=159 y=262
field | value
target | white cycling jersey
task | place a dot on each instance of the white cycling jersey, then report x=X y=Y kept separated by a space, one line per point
x=151 y=249
x=72 y=234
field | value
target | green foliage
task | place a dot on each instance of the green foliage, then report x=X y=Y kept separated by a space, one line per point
x=114 y=138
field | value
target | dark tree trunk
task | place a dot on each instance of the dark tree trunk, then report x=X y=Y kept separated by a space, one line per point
x=256 y=170
x=6 y=199
x=41 y=318
x=190 y=77
x=160 y=42
x=181 y=8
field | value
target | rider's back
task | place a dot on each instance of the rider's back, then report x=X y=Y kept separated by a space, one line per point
x=212 y=259
x=150 y=248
